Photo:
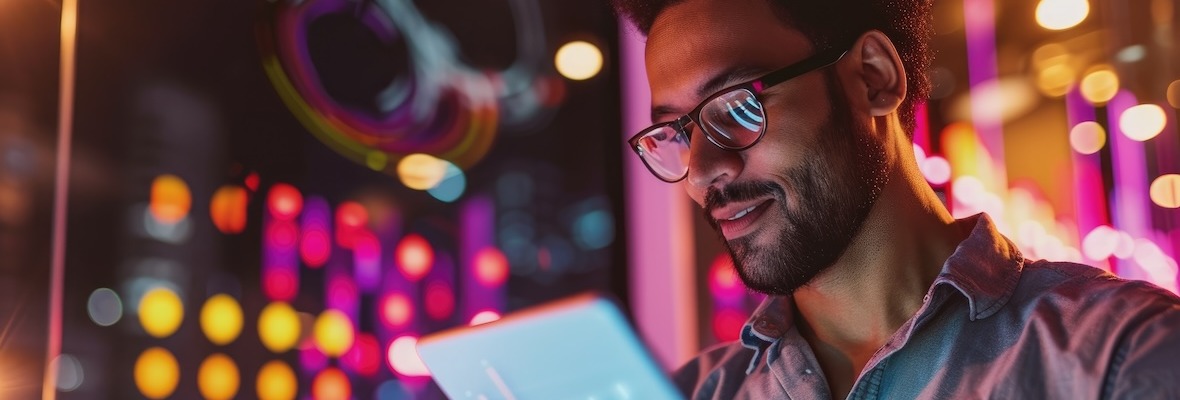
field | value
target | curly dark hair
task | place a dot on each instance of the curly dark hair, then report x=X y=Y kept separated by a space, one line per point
x=827 y=23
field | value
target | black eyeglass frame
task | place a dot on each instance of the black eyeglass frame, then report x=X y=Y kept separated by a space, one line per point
x=820 y=60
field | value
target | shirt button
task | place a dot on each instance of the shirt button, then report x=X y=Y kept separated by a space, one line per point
x=926 y=299
x=808 y=371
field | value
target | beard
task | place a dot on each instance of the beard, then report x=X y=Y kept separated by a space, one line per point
x=835 y=190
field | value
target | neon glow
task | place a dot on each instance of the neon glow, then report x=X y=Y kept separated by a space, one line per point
x=1165 y=191
x=342 y=293
x=421 y=171
x=439 y=300
x=334 y=333
x=367 y=262
x=1143 y=122
x=727 y=324
x=351 y=218
x=578 y=60
x=280 y=284
x=724 y=283
x=364 y=357
x=397 y=310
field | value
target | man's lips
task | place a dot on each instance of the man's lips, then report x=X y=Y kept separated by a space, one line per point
x=737 y=220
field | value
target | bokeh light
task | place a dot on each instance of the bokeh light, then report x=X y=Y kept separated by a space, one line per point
x=315 y=244
x=403 y=357
x=451 y=187
x=365 y=356
x=70 y=374
x=1087 y=137
x=170 y=199
x=276 y=381
x=104 y=307
x=156 y=373
x=331 y=384
x=394 y=390
x=1055 y=80
x=936 y=169
x=484 y=317
x=221 y=319
x=1125 y=245
x=491 y=267
x=578 y=60
x=228 y=209
x=724 y=283
x=333 y=333
x=396 y=309
x=1100 y=86
x=278 y=327
x=160 y=312
x=1174 y=94
x=727 y=324
x=421 y=171
x=280 y=284
x=218 y=377
x=284 y=201
x=1143 y=122
x=351 y=219
x=1062 y=14
x=414 y=257
x=1165 y=191
x=439 y=300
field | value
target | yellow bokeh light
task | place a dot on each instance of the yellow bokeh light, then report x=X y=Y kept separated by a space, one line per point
x=1174 y=94
x=578 y=60
x=221 y=319
x=218 y=378
x=421 y=171
x=1100 y=86
x=1055 y=80
x=156 y=373
x=333 y=333
x=170 y=199
x=1062 y=14
x=160 y=312
x=1143 y=122
x=276 y=381
x=1087 y=137
x=1165 y=191
x=278 y=327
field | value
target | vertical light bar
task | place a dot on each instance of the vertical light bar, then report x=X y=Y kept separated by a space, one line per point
x=65 y=125
x=922 y=127
x=1089 y=196
x=478 y=218
x=1128 y=200
x=661 y=257
x=980 y=27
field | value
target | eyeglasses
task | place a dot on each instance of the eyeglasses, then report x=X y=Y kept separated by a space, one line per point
x=732 y=119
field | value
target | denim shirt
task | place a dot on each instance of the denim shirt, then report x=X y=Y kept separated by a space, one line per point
x=992 y=325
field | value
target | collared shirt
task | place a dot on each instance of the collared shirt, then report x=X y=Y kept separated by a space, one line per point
x=992 y=325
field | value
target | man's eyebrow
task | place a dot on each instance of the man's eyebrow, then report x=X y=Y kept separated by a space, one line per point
x=721 y=80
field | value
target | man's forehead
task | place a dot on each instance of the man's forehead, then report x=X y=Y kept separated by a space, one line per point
x=694 y=42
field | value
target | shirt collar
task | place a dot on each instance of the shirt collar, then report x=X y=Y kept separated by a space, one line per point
x=985 y=268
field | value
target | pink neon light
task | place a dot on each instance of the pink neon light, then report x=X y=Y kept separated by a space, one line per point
x=284 y=201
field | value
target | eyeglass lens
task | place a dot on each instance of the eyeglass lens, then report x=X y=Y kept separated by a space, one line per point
x=733 y=120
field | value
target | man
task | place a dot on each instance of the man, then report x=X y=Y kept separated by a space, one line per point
x=789 y=123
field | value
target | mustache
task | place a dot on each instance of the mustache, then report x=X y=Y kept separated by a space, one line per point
x=738 y=192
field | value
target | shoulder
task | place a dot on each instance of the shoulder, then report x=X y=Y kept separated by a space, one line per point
x=1085 y=289
x=712 y=366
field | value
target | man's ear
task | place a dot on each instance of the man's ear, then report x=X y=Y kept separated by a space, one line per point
x=882 y=79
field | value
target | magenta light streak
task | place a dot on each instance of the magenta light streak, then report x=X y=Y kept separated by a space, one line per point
x=280 y=258
x=1089 y=195
x=922 y=127
x=1129 y=202
x=438 y=291
x=366 y=254
x=341 y=293
x=980 y=27
x=477 y=218
x=315 y=245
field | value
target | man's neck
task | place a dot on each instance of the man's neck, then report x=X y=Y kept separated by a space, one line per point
x=852 y=309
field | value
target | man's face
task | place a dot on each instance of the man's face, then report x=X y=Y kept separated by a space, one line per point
x=789 y=206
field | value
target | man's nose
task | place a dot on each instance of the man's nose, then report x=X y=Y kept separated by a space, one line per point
x=709 y=165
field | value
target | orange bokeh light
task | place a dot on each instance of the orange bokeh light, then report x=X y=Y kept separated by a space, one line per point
x=228 y=209
x=331 y=384
x=491 y=267
x=284 y=201
x=396 y=309
x=414 y=257
x=170 y=199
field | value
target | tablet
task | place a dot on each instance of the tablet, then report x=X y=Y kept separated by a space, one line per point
x=577 y=348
